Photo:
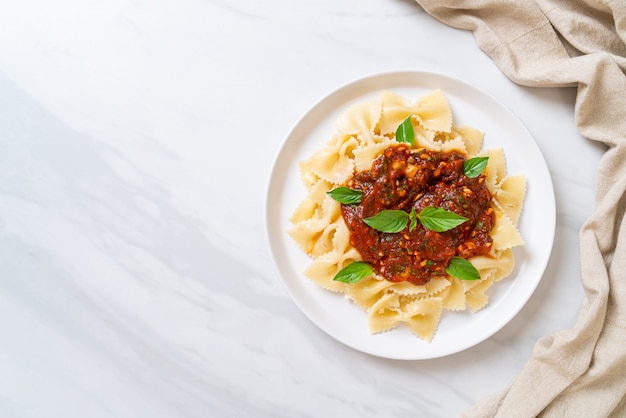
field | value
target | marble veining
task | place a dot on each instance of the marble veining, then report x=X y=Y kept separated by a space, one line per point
x=136 y=142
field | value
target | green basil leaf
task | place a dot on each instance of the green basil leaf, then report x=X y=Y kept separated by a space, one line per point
x=405 y=131
x=388 y=220
x=438 y=219
x=462 y=269
x=474 y=166
x=354 y=272
x=412 y=219
x=346 y=195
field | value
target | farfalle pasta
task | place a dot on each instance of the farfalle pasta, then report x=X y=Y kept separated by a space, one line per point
x=318 y=225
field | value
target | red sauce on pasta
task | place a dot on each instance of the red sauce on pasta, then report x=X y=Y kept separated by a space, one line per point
x=402 y=179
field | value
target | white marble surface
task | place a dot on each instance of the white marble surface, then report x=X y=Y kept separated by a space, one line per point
x=136 y=140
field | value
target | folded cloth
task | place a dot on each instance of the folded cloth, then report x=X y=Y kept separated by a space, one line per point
x=557 y=43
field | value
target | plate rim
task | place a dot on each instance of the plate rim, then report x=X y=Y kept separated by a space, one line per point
x=377 y=76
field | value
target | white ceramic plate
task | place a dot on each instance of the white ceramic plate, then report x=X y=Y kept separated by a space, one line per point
x=457 y=331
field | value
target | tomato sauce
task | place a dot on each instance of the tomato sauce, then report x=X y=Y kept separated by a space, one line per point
x=403 y=179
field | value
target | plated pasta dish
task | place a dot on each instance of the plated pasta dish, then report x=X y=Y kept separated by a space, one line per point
x=406 y=214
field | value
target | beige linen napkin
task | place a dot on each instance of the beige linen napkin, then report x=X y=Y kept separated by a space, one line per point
x=555 y=43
